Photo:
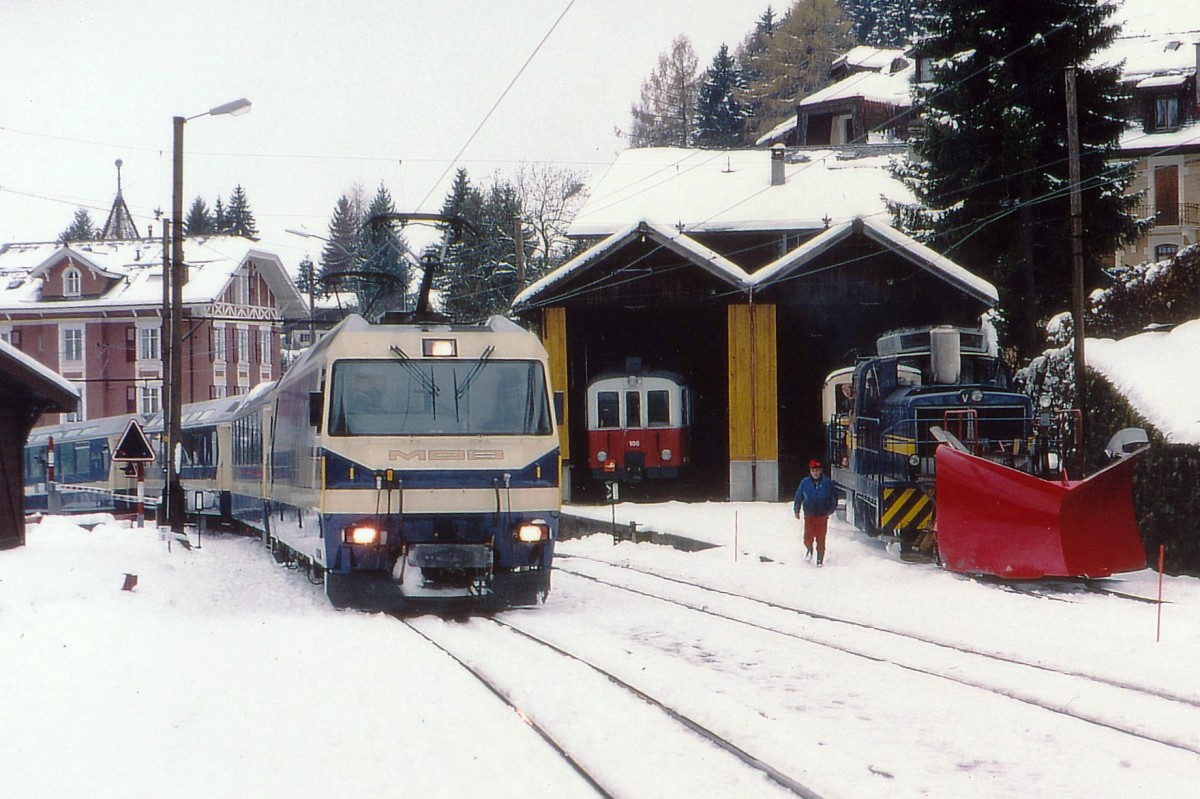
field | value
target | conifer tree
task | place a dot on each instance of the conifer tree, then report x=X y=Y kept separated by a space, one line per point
x=479 y=275
x=199 y=220
x=239 y=219
x=884 y=23
x=664 y=115
x=340 y=253
x=82 y=228
x=720 y=115
x=992 y=177
x=796 y=61
x=382 y=249
x=220 y=218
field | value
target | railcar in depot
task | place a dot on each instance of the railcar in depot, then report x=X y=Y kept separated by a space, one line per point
x=638 y=425
x=936 y=450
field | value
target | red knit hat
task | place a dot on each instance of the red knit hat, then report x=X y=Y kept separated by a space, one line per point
x=814 y=464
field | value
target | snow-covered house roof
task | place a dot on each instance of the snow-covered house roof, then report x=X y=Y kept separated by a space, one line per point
x=883 y=87
x=42 y=379
x=867 y=57
x=1148 y=370
x=134 y=269
x=700 y=191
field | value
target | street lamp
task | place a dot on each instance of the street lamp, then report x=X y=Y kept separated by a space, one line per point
x=173 y=489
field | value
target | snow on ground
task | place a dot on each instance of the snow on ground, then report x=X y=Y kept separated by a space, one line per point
x=224 y=674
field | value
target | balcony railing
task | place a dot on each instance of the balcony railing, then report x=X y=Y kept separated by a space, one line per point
x=1180 y=214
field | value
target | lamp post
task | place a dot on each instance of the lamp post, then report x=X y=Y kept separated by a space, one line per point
x=173 y=489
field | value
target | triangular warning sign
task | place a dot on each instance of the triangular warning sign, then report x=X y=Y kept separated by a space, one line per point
x=134 y=446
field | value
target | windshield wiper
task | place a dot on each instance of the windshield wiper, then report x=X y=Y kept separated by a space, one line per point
x=475 y=370
x=410 y=365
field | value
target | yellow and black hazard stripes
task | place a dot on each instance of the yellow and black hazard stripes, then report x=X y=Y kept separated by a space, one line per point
x=905 y=508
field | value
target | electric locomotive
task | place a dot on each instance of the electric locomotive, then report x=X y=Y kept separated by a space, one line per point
x=409 y=463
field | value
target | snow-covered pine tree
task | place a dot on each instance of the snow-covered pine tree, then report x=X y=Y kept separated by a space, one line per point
x=479 y=276
x=199 y=220
x=883 y=23
x=220 y=218
x=992 y=176
x=239 y=219
x=720 y=115
x=382 y=249
x=340 y=253
x=82 y=228
x=664 y=114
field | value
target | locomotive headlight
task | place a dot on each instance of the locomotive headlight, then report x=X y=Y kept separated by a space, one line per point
x=914 y=460
x=534 y=531
x=439 y=347
x=363 y=534
x=976 y=396
x=666 y=454
x=602 y=456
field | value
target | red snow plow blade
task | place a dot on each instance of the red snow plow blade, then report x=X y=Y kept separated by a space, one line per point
x=995 y=520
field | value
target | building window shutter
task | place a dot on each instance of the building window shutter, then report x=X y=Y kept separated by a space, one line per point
x=130 y=343
x=1166 y=195
x=131 y=399
x=16 y=339
x=212 y=344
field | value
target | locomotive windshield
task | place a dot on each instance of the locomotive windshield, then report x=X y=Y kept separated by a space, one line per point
x=438 y=397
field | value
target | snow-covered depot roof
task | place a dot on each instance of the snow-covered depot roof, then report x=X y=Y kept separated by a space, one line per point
x=892 y=239
x=136 y=268
x=1156 y=375
x=722 y=190
x=680 y=243
x=781 y=269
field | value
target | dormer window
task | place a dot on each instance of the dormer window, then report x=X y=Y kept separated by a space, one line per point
x=72 y=281
x=1166 y=113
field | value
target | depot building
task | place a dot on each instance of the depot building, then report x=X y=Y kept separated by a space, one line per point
x=753 y=275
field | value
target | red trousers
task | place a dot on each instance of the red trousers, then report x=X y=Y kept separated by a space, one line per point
x=814 y=531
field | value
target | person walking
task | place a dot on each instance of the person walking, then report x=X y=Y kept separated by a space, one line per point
x=817 y=497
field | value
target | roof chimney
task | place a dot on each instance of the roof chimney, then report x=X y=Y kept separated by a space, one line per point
x=777 y=174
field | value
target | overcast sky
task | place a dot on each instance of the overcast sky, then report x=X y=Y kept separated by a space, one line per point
x=358 y=91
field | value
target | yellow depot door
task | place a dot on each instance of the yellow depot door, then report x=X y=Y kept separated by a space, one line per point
x=554 y=339
x=753 y=403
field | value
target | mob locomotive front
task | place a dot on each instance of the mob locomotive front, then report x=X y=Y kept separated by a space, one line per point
x=410 y=462
x=639 y=426
x=936 y=449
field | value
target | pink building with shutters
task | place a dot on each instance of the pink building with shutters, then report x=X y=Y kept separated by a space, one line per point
x=92 y=311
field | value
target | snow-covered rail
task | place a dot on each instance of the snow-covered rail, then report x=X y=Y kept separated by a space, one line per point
x=611 y=732
x=1126 y=708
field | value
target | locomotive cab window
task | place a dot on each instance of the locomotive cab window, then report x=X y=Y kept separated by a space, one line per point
x=442 y=397
x=633 y=409
x=608 y=409
x=658 y=408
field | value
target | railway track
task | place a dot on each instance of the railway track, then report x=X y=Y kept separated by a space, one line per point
x=1088 y=698
x=786 y=784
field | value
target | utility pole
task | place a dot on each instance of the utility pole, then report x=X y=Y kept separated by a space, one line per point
x=519 y=239
x=1077 y=298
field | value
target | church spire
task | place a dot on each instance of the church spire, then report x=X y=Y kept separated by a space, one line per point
x=120 y=222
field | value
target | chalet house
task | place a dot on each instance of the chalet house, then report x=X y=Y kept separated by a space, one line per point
x=92 y=311
x=868 y=102
x=1163 y=139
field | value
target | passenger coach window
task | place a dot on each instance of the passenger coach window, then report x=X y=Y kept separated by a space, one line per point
x=608 y=409
x=658 y=408
x=633 y=409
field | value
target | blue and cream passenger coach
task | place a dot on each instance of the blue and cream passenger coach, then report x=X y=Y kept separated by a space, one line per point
x=412 y=461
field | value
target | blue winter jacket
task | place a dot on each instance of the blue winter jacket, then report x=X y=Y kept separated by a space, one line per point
x=817 y=498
